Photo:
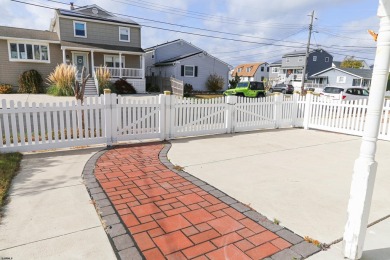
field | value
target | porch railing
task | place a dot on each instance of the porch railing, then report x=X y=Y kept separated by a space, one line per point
x=125 y=72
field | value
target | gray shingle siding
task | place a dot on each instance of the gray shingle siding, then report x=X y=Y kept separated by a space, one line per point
x=320 y=64
x=99 y=33
x=10 y=70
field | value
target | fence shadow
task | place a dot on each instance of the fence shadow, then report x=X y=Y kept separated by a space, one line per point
x=376 y=254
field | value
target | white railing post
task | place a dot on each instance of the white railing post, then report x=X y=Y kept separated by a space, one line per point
x=168 y=115
x=278 y=109
x=307 y=114
x=231 y=102
x=162 y=116
x=294 y=115
x=107 y=116
x=363 y=178
x=115 y=114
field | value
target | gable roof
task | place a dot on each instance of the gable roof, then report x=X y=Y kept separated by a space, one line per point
x=162 y=44
x=244 y=73
x=276 y=63
x=20 y=33
x=360 y=73
x=102 y=15
x=302 y=52
x=172 y=60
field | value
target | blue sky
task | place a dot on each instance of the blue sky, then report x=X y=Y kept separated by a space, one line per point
x=268 y=27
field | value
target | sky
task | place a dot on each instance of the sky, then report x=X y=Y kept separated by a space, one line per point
x=235 y=31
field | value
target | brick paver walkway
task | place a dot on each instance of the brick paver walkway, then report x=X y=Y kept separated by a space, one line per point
x=171 y=217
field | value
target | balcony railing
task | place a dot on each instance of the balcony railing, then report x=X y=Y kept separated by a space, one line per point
x=125 y=72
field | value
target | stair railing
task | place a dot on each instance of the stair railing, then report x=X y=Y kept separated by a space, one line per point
x=95 y=81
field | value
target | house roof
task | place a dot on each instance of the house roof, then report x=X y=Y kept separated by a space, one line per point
x=251 y=66
x=276 y=63
x=172 y=60
x=101 y=47
x=101 y=15
x=13 y=32
x=337 y=64
x=162 y=44
x=300 y=52
x=360 y=73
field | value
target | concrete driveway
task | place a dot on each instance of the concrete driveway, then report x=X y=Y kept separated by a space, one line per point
x=299 y=177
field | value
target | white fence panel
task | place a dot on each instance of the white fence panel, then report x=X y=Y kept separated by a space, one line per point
x=190 y=117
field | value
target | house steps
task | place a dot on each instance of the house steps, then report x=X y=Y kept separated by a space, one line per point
x=90 y=88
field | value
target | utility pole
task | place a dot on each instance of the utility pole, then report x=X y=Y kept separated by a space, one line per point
x=307 y=51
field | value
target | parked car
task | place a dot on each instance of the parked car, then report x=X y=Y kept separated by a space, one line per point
x=247 y=89
x=284 y=88
x=345 y=93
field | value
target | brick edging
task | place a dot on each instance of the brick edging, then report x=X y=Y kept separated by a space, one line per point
x=121 y=240
x=300 y=249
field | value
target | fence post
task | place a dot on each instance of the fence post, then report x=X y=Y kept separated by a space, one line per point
x=168 y=115
x=231 y=102
x=107 y=116
x=295 y=109
x=114 y=115
x=162 y=115
x=307 y=115
x=278 y=109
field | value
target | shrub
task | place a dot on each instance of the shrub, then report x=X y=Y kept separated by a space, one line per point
x=188 y=88
x=61 y=80
x=121 y=86
x=30 y=82
x=152 y=88
x=103 y=76
x=214 y=83
x=5 y=89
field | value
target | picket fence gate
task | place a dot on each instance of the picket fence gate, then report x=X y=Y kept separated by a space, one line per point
x=110 y=119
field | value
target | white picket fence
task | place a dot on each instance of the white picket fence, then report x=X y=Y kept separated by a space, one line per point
x=109 y=119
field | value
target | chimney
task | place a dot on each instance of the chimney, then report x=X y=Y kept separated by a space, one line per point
x=71 y=6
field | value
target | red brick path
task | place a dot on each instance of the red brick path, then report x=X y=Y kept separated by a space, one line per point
x=169 y=216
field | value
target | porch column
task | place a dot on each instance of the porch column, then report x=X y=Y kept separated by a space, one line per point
x=142 y=60
x=93 y=64
x=63 y=56
x=120 y=65
x=363 y=177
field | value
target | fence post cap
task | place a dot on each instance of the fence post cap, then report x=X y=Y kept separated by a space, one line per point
x=166 y=92
x=107 y=91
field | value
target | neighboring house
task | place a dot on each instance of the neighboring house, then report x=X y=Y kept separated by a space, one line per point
x=345 y=77
x=87 y=36
x=274 y=70
x=252 y=71
x=294 y=62
x=182 y=60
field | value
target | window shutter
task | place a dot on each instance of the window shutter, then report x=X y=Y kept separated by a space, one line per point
x=196 y=71
x=182 y=70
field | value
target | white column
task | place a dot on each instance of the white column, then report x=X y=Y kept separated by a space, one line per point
x=363 y=178
x=63 y=56
x=120 y=65
x=93 y=64
x=142 y=66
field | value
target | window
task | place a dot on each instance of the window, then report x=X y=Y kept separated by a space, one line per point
x=28 y=52
x=341 y=79
x=314 y=58
x=112 y=61
x=124 y=34
x=326 y=59
x=248 y=69
x=275 y=70
x=356 y=82
x=239 y=69
x=189 y=71
x=267 y=69
x=262 y=68
x=262 y=78
x=153 y=55
x=80 y=29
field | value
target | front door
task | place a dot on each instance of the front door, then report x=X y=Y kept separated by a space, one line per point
x=80 y=60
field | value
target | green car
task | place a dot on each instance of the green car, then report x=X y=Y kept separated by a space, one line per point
x=247 y=89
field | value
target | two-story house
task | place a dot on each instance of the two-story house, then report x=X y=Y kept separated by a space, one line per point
x=293 y=63
x=87 y=36
x=252 y=71
x=184 y=61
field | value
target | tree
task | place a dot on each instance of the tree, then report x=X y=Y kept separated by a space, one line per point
x=233 y=83
x=351 y=62
x=214 y=83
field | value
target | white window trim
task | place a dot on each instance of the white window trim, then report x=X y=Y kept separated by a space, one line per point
x=341 y=79
x=115 y=56
x=26 y=60
x=193 y=71
x=74 y=29
x=128 y=30
x=314 y=58
x=326 y=59
x=275 y=70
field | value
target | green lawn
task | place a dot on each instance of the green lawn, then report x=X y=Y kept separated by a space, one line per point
x=9 y=165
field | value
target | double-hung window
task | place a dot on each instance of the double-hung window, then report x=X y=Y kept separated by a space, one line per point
x=189 y=71
x=80 y=29
x=34 y=52
x=112 y=61
x=275 y=70
x=124 y=34
x=341 y=79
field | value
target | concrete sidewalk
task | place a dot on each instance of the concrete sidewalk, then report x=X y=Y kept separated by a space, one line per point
x=302 y=178
x=50 y=215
